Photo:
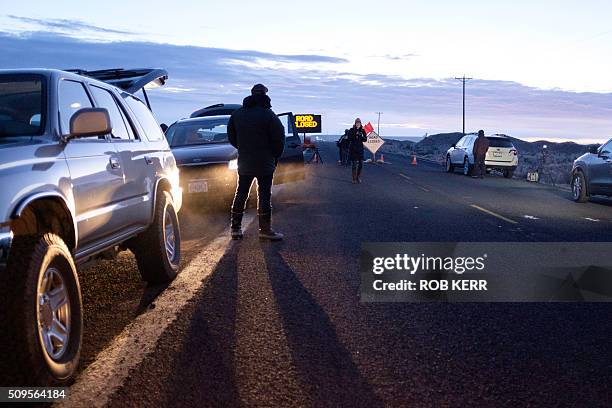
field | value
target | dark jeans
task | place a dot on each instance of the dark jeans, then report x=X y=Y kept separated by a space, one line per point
x=479 y=168
x=357 y=165
x=264 y=193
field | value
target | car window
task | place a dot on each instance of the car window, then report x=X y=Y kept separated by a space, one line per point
x=288 y=125
x=500 y=142
x=144 y=116
x=205 y=131
x=461 y=142
x=72 y=97
x=21 y=105
x=104 y=99
x=607 y=148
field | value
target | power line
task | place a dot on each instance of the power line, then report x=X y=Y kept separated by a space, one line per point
x=463 y=80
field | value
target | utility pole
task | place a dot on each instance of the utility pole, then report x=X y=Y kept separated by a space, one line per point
x=463 y=80
x=378 y=113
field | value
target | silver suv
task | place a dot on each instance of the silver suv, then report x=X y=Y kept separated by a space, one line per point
x=501 y=156
x=85 y=171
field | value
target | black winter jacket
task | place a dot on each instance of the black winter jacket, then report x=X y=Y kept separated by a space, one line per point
x=356 y=138
x=258 y=134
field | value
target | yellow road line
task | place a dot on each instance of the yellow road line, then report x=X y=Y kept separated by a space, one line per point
x=501 y=217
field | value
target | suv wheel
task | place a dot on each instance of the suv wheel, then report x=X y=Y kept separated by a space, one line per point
x=449 y=165
x=43 y=312
x=579 y=193
x=158 y=249
x=508 y=173
x=467 y=169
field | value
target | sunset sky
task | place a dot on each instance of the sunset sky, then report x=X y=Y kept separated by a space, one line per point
x=541 y=70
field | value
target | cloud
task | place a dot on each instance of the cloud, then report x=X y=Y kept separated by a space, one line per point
x=201 y=76
x=65 y=25
x=400 y=57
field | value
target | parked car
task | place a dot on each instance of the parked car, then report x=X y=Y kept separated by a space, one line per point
x=592 y=173
x=85 y=172
x=215 y=110
x=501 y=156
x=208 y=162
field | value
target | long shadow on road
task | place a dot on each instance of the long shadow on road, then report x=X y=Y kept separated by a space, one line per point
x=204 y=373
x=327 y=370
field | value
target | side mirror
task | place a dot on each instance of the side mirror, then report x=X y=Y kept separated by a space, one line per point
x=594 y=149
x=454 y=145
x=90 y=122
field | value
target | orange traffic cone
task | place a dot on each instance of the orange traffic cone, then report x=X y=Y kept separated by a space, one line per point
x=414 y=161
x=382 y=158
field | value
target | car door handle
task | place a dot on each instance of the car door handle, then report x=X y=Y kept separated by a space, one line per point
x=148 y=160
x=114 y=163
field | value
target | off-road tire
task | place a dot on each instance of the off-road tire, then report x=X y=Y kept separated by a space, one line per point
x=154 y=264
x=24 y=359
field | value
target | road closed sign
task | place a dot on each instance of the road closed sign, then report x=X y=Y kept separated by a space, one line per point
x=308 y=123
x=374 y=142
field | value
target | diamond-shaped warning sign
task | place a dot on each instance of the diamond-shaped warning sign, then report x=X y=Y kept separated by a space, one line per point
x=374 y=142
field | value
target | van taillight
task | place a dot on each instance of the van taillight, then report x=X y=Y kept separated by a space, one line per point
x=514 y=151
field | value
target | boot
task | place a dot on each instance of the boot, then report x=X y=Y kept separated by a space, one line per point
x=265 y=228
x=236 y=225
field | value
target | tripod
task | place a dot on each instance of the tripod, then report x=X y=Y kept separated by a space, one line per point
x=316 y=157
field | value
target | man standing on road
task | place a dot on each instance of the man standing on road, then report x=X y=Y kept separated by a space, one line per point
x=356 y=137
x=343 y=148
x=259 y=136
x=481 y=145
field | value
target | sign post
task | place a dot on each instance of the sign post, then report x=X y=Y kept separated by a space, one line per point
x=309 y=123
x=374 y=143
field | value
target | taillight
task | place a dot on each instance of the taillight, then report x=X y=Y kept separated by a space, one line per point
x=514 y=151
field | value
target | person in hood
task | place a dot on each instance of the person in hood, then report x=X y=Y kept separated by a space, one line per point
x=481 y=146
x=259 y=136
x=342 y=144
x=356 y=137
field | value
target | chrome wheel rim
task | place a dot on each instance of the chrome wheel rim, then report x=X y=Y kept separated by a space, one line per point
x=577 y=186
x=448 y=164
x=53 y=313
x=466 y=167
x=170 y=237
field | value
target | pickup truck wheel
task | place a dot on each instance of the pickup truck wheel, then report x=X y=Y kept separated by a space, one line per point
x=42 y=312
x=158 y=249
x=579 y=192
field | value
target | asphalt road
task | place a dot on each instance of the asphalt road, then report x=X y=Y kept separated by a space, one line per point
x=281 y=324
